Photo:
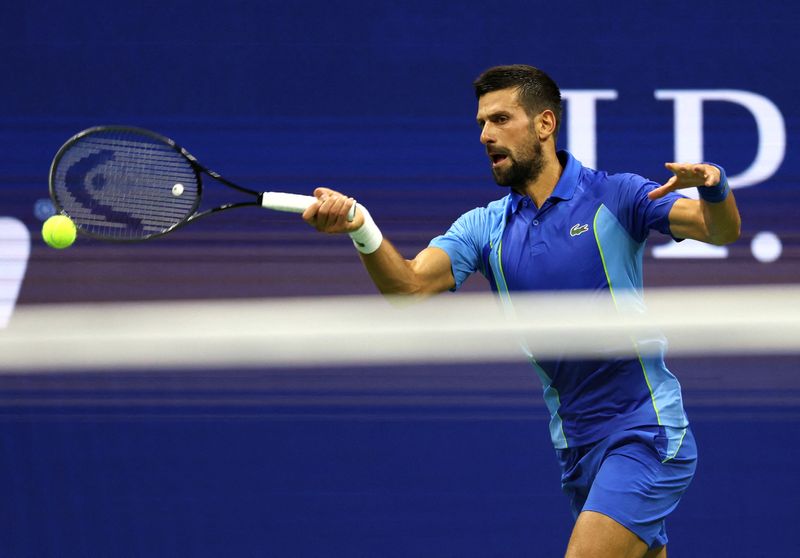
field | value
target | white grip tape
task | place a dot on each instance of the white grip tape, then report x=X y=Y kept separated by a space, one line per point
x=279 y=201
x=293 y=203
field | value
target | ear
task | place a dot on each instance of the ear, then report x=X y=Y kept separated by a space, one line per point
x=545 y=124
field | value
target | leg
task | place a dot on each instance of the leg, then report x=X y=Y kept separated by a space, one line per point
x=598 y=536
x=621 y=490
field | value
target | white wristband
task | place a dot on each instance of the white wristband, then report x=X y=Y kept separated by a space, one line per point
x=367 y=238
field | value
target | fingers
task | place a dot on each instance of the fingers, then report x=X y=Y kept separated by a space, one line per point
x=687 y=169
x=688 y=175
x=325 y=192
x=712 y=175
x=330 y=212
x=310 y=213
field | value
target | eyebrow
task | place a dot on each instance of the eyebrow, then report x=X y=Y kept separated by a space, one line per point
x=489 y=116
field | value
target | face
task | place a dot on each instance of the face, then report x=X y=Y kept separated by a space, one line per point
x=508 y=133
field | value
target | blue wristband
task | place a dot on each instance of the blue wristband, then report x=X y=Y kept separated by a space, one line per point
x=718 y=193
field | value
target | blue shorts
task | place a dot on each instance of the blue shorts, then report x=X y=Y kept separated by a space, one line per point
x=635 y=477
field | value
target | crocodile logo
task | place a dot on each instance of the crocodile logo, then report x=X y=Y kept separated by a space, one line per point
x=578 y=229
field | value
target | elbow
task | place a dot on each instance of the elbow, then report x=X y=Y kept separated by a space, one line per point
x=408 y=290
x=402 y=298
x=727 y=236
x=400 y=293
x=405 y=294
x=401 y=289
x=409 y=286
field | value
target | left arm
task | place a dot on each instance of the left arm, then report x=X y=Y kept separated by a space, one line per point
x=715 y=222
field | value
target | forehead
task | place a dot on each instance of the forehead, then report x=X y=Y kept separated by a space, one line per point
x=497 y=101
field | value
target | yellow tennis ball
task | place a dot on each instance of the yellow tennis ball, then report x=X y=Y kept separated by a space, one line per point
x=59 y=231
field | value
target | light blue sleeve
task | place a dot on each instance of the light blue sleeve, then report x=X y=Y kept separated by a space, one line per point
x=464 y=243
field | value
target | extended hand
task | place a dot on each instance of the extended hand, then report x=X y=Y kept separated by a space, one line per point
x=329 y=214
x=687 y=175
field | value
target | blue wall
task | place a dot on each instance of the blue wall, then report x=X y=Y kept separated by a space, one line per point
x=374 y=99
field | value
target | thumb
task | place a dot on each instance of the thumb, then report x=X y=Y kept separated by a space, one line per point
x=659 y=192
x=663 y=190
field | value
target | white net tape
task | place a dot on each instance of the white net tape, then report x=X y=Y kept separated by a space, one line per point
x=339 y=331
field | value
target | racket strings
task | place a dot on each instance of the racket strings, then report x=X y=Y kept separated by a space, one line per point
x=122 y=185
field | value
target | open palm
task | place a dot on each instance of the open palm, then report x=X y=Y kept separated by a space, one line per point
x=687 y=175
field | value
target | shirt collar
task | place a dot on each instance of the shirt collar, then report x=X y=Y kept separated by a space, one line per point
x=516 y=201
x=566 y=185
x=570 y=175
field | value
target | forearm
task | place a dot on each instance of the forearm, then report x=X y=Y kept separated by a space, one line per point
x=392 y=273
x=714 y=218
x=429 y=272
x=722 y=220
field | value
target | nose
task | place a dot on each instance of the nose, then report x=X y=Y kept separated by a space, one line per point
x=487 y=134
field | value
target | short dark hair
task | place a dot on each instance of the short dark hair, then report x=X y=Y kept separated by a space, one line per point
x=536 y=90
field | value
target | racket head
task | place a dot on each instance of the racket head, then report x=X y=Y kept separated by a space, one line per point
x=118 y=183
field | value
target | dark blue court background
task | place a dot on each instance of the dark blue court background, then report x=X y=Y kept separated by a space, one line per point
x=374 y=99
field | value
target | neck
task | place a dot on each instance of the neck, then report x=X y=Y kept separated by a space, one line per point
x=543 y=185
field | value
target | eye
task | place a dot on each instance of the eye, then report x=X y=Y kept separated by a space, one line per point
x=501 y=119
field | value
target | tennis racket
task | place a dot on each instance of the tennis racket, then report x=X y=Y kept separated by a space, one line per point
x=128 y=184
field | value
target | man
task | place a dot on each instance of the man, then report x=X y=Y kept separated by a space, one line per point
x=618 y=426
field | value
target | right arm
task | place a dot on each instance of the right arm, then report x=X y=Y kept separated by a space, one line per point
x=428 y=273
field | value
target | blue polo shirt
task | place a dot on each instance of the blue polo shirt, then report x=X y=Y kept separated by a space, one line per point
x=588 y=235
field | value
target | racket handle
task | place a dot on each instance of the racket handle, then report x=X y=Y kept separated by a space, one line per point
x=293 y=203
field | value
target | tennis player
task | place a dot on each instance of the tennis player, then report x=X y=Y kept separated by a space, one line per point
x=620 y=432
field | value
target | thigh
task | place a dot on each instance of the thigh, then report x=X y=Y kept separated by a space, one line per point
x=598 y=536
x=660 y=552
x=639 y=483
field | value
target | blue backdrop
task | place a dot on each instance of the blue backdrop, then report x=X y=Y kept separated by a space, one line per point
x=374 y=99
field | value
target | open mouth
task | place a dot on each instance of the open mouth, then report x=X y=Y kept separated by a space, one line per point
x=497 y=158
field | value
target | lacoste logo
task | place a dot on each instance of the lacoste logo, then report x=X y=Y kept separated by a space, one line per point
x=578 y=229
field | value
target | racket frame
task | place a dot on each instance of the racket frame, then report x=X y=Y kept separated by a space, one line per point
x=197 y=168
